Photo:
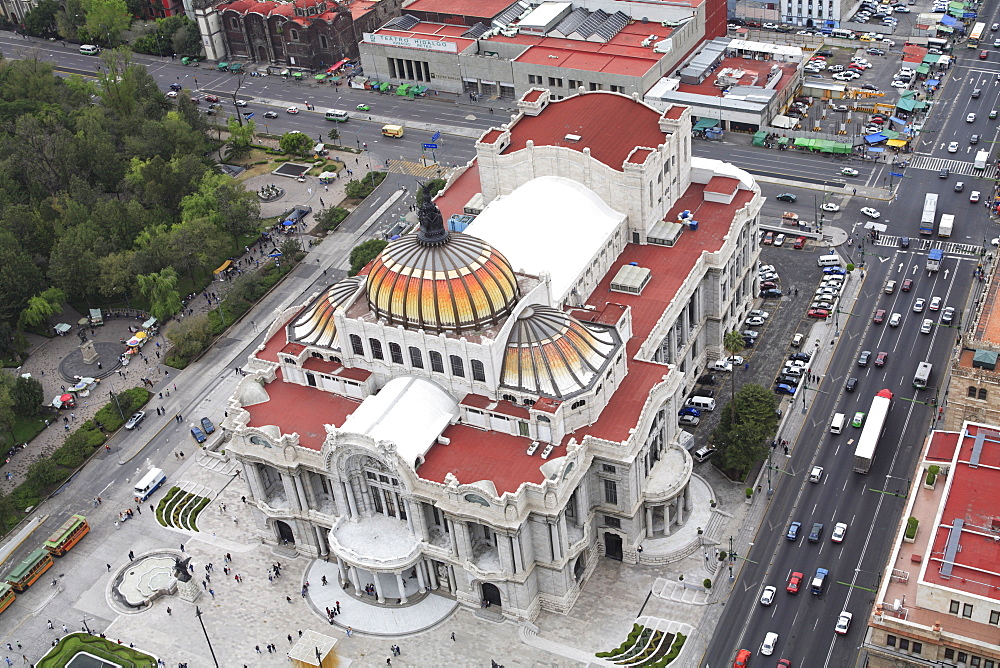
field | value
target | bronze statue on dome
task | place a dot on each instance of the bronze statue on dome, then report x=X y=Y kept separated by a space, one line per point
x=432 y=229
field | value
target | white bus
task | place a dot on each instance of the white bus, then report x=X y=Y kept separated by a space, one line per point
x=872 y=432
x=149 y=484
x=923 y=375
x=843 y=34
x=929 y=213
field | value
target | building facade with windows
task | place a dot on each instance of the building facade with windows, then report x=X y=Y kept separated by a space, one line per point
x=938 y=602
x=478 y=415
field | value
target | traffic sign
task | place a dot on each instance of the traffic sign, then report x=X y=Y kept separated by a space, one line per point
x=897 y=174
x=248 y=115
x=430 y=145
x=437 y=135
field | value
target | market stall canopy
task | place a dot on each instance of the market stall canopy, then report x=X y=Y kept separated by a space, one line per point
x=62 y=327
x=225 y=265
x=149 y=324
x=137 y=340
x=705 y=123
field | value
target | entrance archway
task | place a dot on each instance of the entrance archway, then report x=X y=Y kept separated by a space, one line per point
x=490 y=593
x=580 y=567
x=613 y=546
x=285 y=534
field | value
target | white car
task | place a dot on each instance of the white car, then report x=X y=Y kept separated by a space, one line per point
x=839 y=531
x=830 y=206
x=171 y=93
x=735 y=360
x=935 y=304
x=757 y=313
x=974 y=196
x=292 y=110
x=897 y=83
x=769 y=276
x=844 y=622
x=767 y=597
x=722 y=365
x=888 y=42
x=849 y=171
x=769 y=26
x=779 y=240
x=971 y=118
x=755 y=321
x=953 y=147
x=770 y=641
x=870 y=212
x=765 y=267
x=241 y=103
x=837 y=68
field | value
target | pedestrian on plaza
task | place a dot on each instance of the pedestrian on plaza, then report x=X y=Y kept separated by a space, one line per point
x=131 y=555
x=212 y=592
x=65 y=630
x=169 y=611
x=109 y=570
x=49 y=622
x=349 y=631
x=453 y=635
x=338 y=607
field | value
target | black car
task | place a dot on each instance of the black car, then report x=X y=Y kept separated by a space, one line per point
x=788 y=380
x=175 y=86
x=748 y=342
x=816 y=532
x=868 y=86
x=944 y=173
x=707 y=379
x=770 y=294
x=786 y=197
x=704 y=393
x=803 y=357
x=270 y=114
x=852 y=384
x=826 y=53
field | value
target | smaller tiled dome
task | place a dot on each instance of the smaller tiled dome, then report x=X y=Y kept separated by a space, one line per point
x=550 y=353
x=315 y=324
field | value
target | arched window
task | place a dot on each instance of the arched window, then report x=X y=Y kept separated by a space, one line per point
x=356 y=347
x=376 y=347
x=294 y=35
x=982 y=393
x=316 y=354
x=478 y=370
x=529 y=402
x=509 y=397
x=437 y=362
x=972 y=392
x=396 y=353
x=416 y=358
x=543 y=418
x=457 y=366
x=578 y=404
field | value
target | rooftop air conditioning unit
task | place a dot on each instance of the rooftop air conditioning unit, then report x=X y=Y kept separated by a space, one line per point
x=573 y=137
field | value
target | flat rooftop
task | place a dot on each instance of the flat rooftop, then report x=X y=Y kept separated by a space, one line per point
x=740 y=72
x=988 y=324
x=967 y=493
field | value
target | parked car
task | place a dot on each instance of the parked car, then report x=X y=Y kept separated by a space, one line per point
x=134 y=421
x=770 y=294
x=207 y=426
x=799 y=243
x=820 y=313
x=198 y=434
x=783 y=388
x=688 y=421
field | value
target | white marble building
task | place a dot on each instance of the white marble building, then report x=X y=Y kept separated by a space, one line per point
x=487 y=413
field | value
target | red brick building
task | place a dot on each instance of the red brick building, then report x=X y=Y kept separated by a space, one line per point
x=309 y=34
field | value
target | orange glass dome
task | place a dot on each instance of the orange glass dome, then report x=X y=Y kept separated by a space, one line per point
x=441 y=281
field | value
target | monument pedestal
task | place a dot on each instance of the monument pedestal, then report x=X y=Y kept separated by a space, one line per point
x=89 y=352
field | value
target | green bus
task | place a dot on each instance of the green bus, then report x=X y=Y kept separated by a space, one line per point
x=24 y=574
x=6 y=596
x=68 y=535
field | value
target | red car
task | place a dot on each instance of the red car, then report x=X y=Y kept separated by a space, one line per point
x=769 y=238
x=742 y=657
x=212 y=98
x=820 y=313
x=793 y=583
x=196 y=100
x=881 y=358
x=784 y=663
x=907 y=285
x=799 y=242
x=983 y=55
x=879 y=316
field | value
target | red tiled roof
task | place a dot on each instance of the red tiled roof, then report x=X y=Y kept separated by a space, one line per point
x=942 y=447
x=502 y=407
x=547 y=405
x=675 y=112
x=725 y=185
x=336 y=369
x=639 y=155
x=488 y=8
x=972 y=496
x=294 y=349
x=532 y=95
x=755 y=73
x=474 y=455
x=458 y=194
x=589 y=116
x=491 y=136
x=301 y=409
x=274 y=345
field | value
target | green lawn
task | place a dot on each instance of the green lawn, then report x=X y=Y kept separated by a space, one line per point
x=108 y=650
x=25 y=429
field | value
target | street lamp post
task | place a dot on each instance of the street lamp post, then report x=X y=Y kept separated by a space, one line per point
x=115 y=397
x=198 y=613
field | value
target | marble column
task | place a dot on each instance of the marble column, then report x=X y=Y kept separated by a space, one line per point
x=687 y=496
x=380 y=595
x=300 y=493
x=291 y=494
x=518 y=557
x=409 y=516
x=554 y=541
x=352 y=571
x=340 y=499
x=342 y=569
x=679 y=502
x=453 y=530
x=504 y=552
x=324 y=547
x=253 y=481
x=649 y=521
x=563 y=533
x=420 y=577
x=452 y=581
x=402 y=588
x=348 y=491
x=415 y=509
x=666 y=519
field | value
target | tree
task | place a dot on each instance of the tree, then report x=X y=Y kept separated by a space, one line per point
x=225 y=203
x=106 y=20
x=295 y=142
x=27 y=396
x=41 y=307
x=187 y=40
x=291 y=249
x=744 y=442
x=42 y=475
x=160 y=290
x=330 y=219
x=7 y=403
x=333 y=134
x=364 y=253
x=733 y=343
x=41 y=20
x=241 y=135
x=19 y=278
x=190 y=336
x=117 y=274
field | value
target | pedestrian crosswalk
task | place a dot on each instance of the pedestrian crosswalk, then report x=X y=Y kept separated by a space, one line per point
x=954 y=166
x=429 y=171
x=920 y=245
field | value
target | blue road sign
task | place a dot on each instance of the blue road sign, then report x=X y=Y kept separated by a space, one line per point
x=897 y=174
x=248 y=115
x=430 y=145
x=437 y=135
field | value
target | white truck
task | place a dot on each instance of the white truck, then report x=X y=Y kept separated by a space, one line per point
x=982 y=157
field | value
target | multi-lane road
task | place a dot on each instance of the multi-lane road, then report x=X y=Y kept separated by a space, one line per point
x=870 y=504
